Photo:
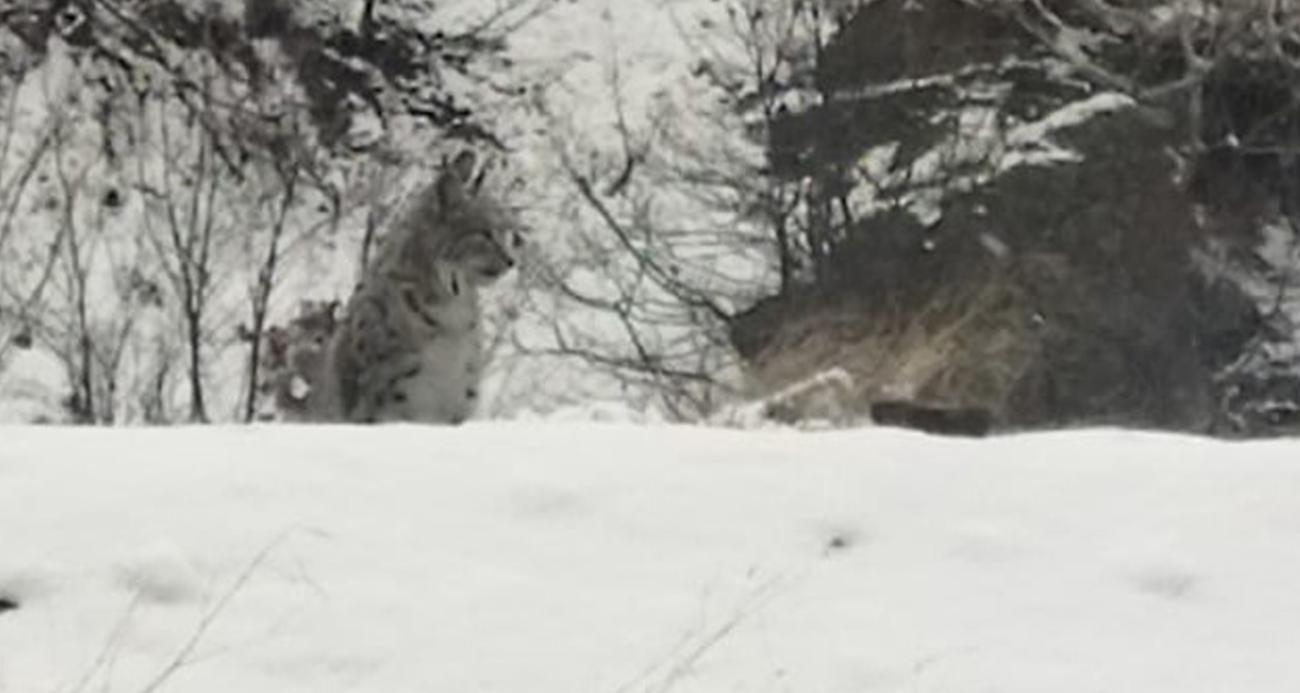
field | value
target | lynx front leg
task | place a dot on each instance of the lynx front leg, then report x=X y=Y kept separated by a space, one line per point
x=374 y=359
x=383 y=396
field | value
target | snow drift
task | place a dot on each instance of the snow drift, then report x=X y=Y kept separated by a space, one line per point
x=615 y=558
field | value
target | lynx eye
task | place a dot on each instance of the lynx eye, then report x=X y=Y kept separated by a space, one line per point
x=492 y=238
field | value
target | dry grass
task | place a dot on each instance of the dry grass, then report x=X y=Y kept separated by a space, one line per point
x=968 y=343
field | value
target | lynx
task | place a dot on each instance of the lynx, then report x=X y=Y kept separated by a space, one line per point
x=408 y=345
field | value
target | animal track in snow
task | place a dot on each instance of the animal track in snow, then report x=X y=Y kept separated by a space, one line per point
x=840 y=539
x=161 y=573
x=1165 y=581
x=546 y=502
x=21 y=587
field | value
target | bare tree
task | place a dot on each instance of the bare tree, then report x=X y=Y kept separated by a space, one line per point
x=229 y=149
x=260 y=295
x=182 y=226
x=283 y=234
x=682 y=221
x=83 y=301
x=21 y=291
x=79 y=346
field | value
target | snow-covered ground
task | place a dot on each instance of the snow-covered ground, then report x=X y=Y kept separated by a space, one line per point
x=565 y=557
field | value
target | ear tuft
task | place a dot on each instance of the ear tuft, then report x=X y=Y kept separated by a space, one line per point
x=462 y=167
x=455 y=177
x=477 y=184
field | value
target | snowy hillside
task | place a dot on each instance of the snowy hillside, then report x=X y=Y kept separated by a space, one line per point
x=573 y=557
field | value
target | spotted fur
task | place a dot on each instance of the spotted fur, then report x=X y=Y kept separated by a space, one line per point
x=408 y=347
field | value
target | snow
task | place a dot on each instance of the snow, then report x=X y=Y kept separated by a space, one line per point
x=981 y=142
x=1032 y=140
x=564 y=556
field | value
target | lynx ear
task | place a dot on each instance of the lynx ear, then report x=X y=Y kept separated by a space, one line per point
x=456 y=176
x=462 y=167
x=477 y=184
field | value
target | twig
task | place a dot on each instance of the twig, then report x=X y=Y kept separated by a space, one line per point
x=704 y=642
x=184 y=655
x=108 y=652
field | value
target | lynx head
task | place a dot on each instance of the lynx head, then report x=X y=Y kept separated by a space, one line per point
x=482 y=239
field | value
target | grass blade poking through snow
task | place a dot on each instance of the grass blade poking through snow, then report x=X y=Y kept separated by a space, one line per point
x=185 y=654
x=662 y=676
